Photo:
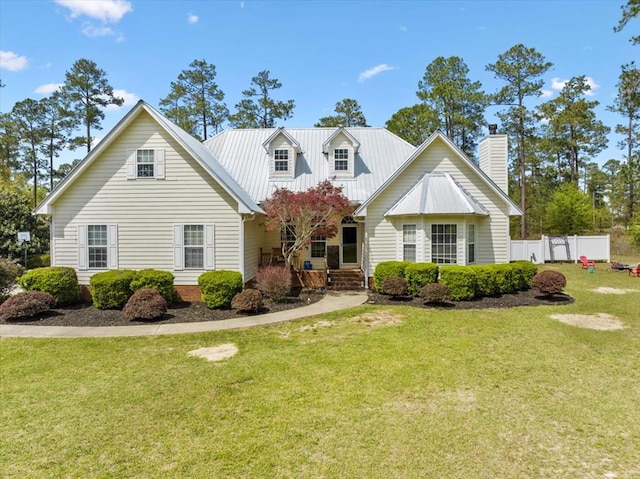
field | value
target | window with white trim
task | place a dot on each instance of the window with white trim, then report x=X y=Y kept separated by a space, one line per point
x=318 y=246
x=281 y=161
x=97 y=246
x=193 y=246
x=145 y=162
x=341 y=159
x=471 y=244
x=444 y=244
x=409 y=243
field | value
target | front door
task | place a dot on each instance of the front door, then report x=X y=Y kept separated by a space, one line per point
x=349 y=245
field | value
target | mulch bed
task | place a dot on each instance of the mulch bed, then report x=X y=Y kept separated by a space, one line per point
x=85 y=314
x=522 y=298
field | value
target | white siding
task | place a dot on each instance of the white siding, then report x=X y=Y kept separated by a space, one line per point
x=146 y=210
x=492 y=233
x=493 y=159
x=253 y=239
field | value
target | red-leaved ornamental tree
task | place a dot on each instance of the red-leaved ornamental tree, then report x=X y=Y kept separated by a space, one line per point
x=314 y=212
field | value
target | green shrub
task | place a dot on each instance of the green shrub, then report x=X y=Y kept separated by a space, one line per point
x=461 y=280
x=523 y=272
x=549 y=282
x=419 y=275
x=145 y=304
x=249 y=300
x=505 y=278
x=161 y=281
x=25 y=305
x=39 y=261
x=60 y=282
x=219 y=287
x=486 y=279
x=274 y=281
x=387 y=269
x=394 y=286
x=435 y=293
x=111 y=289
x=9 y=273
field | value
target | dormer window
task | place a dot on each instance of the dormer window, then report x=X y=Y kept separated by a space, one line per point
x=281 y=161
x=341 y=149
x=341 y=159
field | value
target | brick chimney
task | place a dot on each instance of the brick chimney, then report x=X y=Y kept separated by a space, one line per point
x=493 y=157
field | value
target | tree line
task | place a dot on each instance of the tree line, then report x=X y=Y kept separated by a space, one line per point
x=552 y=145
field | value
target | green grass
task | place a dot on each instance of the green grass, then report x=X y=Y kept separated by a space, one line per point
x=454 y=394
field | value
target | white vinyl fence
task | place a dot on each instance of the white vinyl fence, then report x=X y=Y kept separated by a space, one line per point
x=562 y=248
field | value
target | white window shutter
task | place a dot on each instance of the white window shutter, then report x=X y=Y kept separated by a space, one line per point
x=209 y=249
x=178 y=256
x=159 y=169
x=131 y=164
x=82 y=247
x=112 y=239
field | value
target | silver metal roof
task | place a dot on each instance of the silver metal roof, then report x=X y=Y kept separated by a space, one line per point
x=437 y=194
x=242 y=154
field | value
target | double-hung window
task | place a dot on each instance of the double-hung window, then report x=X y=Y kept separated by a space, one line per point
x=193 y=246
x=97 y=246
x=281 y=161
x=444 y=244
x=341 y=159
x=145 y=160
x=145 y=163
x=409 y=243
x=318 y=246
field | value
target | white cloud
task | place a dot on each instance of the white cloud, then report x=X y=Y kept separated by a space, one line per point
x=12 y=61
x=130 y=99
x=241 y=4
x=110 y=11
x=48 y=88
x=546 y=94
x=371 y=72
x=558 y=84
x=93 y=31
x=191 y=18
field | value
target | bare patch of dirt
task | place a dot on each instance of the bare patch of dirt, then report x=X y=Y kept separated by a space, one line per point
x=216 y=353
x=599 y=321
x=379 y=318
x=607 y=290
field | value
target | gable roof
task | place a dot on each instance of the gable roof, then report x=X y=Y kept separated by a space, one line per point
x=437 y=194
x=283 y=132
x=242 y=154
x=514 y=210
x=197 y=150
x=341 y=130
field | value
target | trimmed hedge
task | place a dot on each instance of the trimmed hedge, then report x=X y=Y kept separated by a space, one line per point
x=387 y=269
x=435 y=293
x=461 y=280
x=418 y=275
x=60 y=282
x=219 y=287
x=161 y=281
x=111 y=289
x=486 y=279
x=25 y=305
x=524 y=271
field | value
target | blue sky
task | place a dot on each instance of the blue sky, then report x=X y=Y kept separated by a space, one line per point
x=321 y=51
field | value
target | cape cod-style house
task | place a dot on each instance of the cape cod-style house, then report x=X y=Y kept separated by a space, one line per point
x=149 y=195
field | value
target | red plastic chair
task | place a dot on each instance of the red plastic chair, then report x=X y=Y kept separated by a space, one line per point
x=635 y=272
x=586 y=264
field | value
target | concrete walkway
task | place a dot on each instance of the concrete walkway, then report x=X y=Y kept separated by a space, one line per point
x=333 y=301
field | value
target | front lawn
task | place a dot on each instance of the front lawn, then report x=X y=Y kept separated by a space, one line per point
x=374 y=392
